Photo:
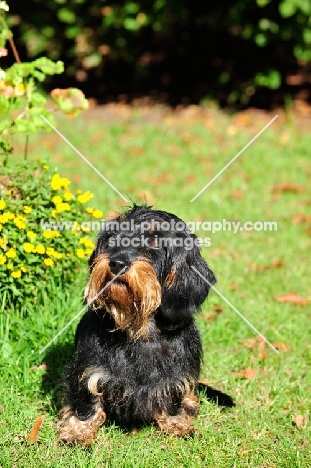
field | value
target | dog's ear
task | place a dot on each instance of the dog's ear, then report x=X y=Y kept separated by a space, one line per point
x=184 y=291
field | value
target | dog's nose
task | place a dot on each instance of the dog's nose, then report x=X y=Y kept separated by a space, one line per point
x=117 y=264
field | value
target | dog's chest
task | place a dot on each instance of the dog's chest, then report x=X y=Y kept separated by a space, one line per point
x=145 y=361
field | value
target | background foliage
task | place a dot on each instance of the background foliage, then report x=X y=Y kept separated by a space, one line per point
x=243 y=53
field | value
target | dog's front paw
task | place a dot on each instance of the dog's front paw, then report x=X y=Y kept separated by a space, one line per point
x=179 y=425
x=71 y=429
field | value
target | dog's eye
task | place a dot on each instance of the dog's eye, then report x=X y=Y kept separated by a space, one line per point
x=154 y=242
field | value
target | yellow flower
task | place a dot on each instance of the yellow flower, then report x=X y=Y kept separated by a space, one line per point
x=8 y=192
x=9 y=266
x=58 y=255
x=19 y=222
x=50 y=251
x=1 y=227
x=9 y=215
x=85 y=197
x=54 y=213
x=65 y=182
x=16 y=274
x=90 y=210
x=79 y=191
x=11 y=253
x=19 y=90
x=57 y=199
x=80 y=253
x=87 y=242
x=76 y=226
x=3 y=242
x=2 y=259
x=62 y=207
x=98 y=214
x=49 y=234
x=48 y=262
x=24 y=269
x=45 y=166
x=32 y=235
x=28 y=247
x=27 y=209
x=68 y=196
x=56 y=182
x=2 y=204
x=88 y=251
x=40 y=249
x=85 y=228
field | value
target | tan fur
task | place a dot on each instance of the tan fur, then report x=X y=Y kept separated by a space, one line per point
x=130 y=300
x=71 y=429
x=179 y=425
x=93 y=375
x=170 y=279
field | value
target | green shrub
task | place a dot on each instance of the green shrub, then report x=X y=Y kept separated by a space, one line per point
x=32 y=254
x=233 y=48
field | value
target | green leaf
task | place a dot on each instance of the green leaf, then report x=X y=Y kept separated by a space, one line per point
x=49 y=67
x=37 y=99
x=131 y=24
x=66 y=16
x=263 y=3
x=287 y=8
x=307 y=36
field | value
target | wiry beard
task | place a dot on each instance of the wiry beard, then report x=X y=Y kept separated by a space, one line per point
x=130 y=299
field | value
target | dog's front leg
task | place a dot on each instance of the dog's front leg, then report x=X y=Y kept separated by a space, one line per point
x=83 y=431
x=84 y=414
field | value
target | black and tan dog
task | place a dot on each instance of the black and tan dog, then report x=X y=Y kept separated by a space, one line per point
x=138 y=351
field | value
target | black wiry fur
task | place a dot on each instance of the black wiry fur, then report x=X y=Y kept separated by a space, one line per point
x=137 y=379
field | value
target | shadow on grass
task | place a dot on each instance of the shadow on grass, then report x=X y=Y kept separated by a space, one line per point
x=56 y=359
x=214 y=396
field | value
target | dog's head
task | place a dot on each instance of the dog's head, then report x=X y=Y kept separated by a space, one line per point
x=141 y=265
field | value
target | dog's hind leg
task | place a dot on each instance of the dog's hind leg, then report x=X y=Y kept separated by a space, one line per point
x=180 y=424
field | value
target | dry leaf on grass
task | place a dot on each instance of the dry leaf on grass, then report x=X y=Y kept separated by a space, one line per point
x=300 y=421
x=259 y=268
x=291 y=297
x=147 y=198
x=218 y=309
x=33 y=435
x=248 y=373
x=233 y=286
x=237 y=194
x=287 y=187
x=257 y=345
x=300 y=218
x=42 y=366
x=281 y=346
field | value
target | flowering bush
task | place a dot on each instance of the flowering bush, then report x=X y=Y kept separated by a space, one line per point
x=31 y=254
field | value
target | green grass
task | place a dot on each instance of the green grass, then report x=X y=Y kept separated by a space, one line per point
x=172 y=156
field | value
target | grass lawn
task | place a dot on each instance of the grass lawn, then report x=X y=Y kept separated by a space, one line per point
x=170 y=157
